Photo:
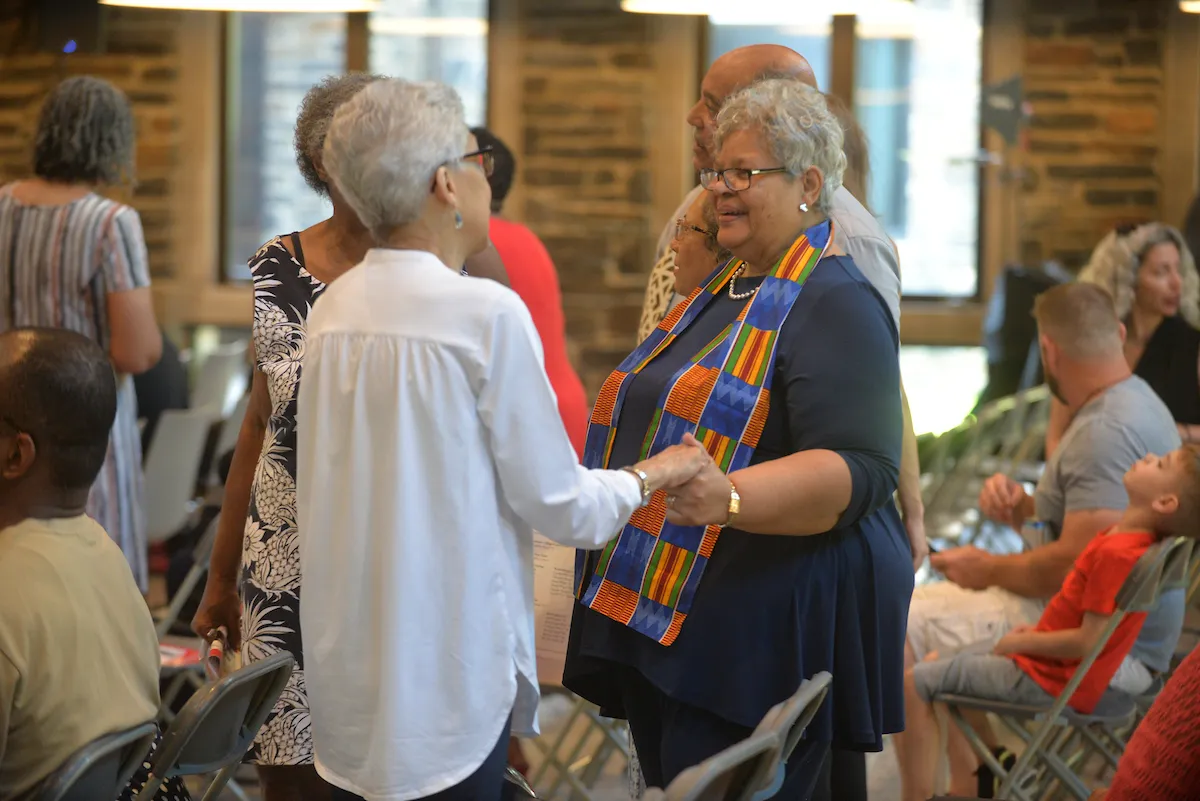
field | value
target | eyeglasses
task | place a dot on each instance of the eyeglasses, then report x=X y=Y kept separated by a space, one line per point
x=736 y=179
x=682 y=225
x=484 y=158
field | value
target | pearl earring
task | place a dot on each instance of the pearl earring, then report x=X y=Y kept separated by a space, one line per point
x=458 y=219
x=804 y=207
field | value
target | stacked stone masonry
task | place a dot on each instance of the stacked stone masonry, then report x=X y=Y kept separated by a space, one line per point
x=587 y=96
x=1094 y=76
x=140 y=57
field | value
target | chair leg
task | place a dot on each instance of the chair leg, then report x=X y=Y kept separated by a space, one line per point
x=218 y=784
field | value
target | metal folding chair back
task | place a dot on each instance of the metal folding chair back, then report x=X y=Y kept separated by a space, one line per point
x=171 y=469
x=789 y=719
x=100 y=769
x=218 y=724
x=734 y=774
x=1139 y=593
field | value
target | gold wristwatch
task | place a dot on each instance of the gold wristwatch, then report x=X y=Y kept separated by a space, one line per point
x=735 y=506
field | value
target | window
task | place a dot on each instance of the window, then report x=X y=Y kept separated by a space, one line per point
x=435 y=40
x=916 y=96
x=273 y=59
x=917 y=76
x=943 y=384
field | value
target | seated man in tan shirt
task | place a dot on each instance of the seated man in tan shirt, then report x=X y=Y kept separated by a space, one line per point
x=78 y=653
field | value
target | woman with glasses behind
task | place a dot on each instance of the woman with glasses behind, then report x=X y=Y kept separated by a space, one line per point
x=429 y=451
x=785 y=556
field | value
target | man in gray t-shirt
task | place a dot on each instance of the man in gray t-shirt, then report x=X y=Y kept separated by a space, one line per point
x=1117 y=420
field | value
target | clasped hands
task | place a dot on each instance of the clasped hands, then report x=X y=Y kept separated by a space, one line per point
x=697 y=490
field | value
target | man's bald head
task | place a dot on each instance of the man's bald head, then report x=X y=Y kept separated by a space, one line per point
x=745 y=65
x=732 y=72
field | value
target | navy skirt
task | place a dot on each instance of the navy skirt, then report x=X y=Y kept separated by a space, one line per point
x=770 y=612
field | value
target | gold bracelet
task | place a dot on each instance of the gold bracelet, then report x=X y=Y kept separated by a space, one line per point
x=735 y=505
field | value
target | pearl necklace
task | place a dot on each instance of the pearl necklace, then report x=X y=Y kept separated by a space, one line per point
x=733 y=279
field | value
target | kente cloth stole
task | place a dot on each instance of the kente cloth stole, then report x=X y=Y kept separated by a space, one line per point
x=646 y=577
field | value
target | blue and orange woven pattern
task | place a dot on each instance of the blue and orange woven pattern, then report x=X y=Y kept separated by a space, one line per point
x=647 y=576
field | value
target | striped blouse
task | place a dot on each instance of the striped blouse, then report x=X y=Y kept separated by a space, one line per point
x=57 y=265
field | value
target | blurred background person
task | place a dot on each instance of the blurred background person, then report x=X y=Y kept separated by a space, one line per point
x=532 y=275
x=1151 y=275
x=71 y=258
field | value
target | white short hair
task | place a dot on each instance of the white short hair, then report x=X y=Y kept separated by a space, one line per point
x=796 y=124
x=386 y=143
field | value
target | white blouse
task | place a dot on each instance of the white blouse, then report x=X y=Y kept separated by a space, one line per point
x=429 y=449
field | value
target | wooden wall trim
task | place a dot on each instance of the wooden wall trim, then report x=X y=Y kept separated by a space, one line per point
x=505 y=106
x=677 y=41
x=1179 y=159
x=195 y=294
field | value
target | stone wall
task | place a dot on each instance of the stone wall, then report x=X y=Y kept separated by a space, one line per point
x=1094 y=76
x=140 y=58
x=587 y=94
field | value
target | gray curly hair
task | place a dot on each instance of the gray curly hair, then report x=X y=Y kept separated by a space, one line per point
x=796 y=124
x=1115 y=262
x=85 y=134
x=316 y=113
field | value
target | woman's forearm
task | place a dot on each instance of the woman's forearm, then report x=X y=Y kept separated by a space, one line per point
x=225 y=562
x=801 y=494
x=911 y=503
x=1189 y=432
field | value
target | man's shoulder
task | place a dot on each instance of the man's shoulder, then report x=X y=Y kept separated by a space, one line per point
x=1132 y=412
x=855 y=222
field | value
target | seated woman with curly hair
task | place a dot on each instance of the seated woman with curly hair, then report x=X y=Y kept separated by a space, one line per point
x=1152 y=277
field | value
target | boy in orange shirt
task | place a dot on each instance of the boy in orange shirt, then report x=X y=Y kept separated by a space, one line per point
x=1031 y=665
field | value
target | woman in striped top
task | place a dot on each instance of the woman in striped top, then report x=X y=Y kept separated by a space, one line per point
x=70 y=258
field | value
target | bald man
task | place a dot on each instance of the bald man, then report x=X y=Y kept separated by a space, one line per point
x=856 y=232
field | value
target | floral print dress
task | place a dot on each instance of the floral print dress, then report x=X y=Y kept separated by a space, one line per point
x=283 y=295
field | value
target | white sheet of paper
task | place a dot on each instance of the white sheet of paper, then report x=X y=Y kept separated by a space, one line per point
x=553 y=599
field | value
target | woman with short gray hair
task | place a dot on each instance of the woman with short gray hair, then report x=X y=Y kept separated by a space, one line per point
x=785 y=556
x=71 y=258
x=430 y=448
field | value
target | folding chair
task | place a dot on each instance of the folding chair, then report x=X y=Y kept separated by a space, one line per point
x=734 y=774
x=788 y=721
x=218 y=724
x=167 y=618
x=100 y=769
x=171 y=469
x=222 y=380
x=1041 y=763
x=579 y=753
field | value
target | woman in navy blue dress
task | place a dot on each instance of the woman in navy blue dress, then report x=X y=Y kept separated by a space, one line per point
x=787 y=556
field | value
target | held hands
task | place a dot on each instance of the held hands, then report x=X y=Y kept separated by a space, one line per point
x=1001 y=500
x=968 y=567
x=702 y=501
x=698 y=491
x=676 y=465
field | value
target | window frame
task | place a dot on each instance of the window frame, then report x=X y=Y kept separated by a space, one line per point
x=954 y=320
x=357 y=59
